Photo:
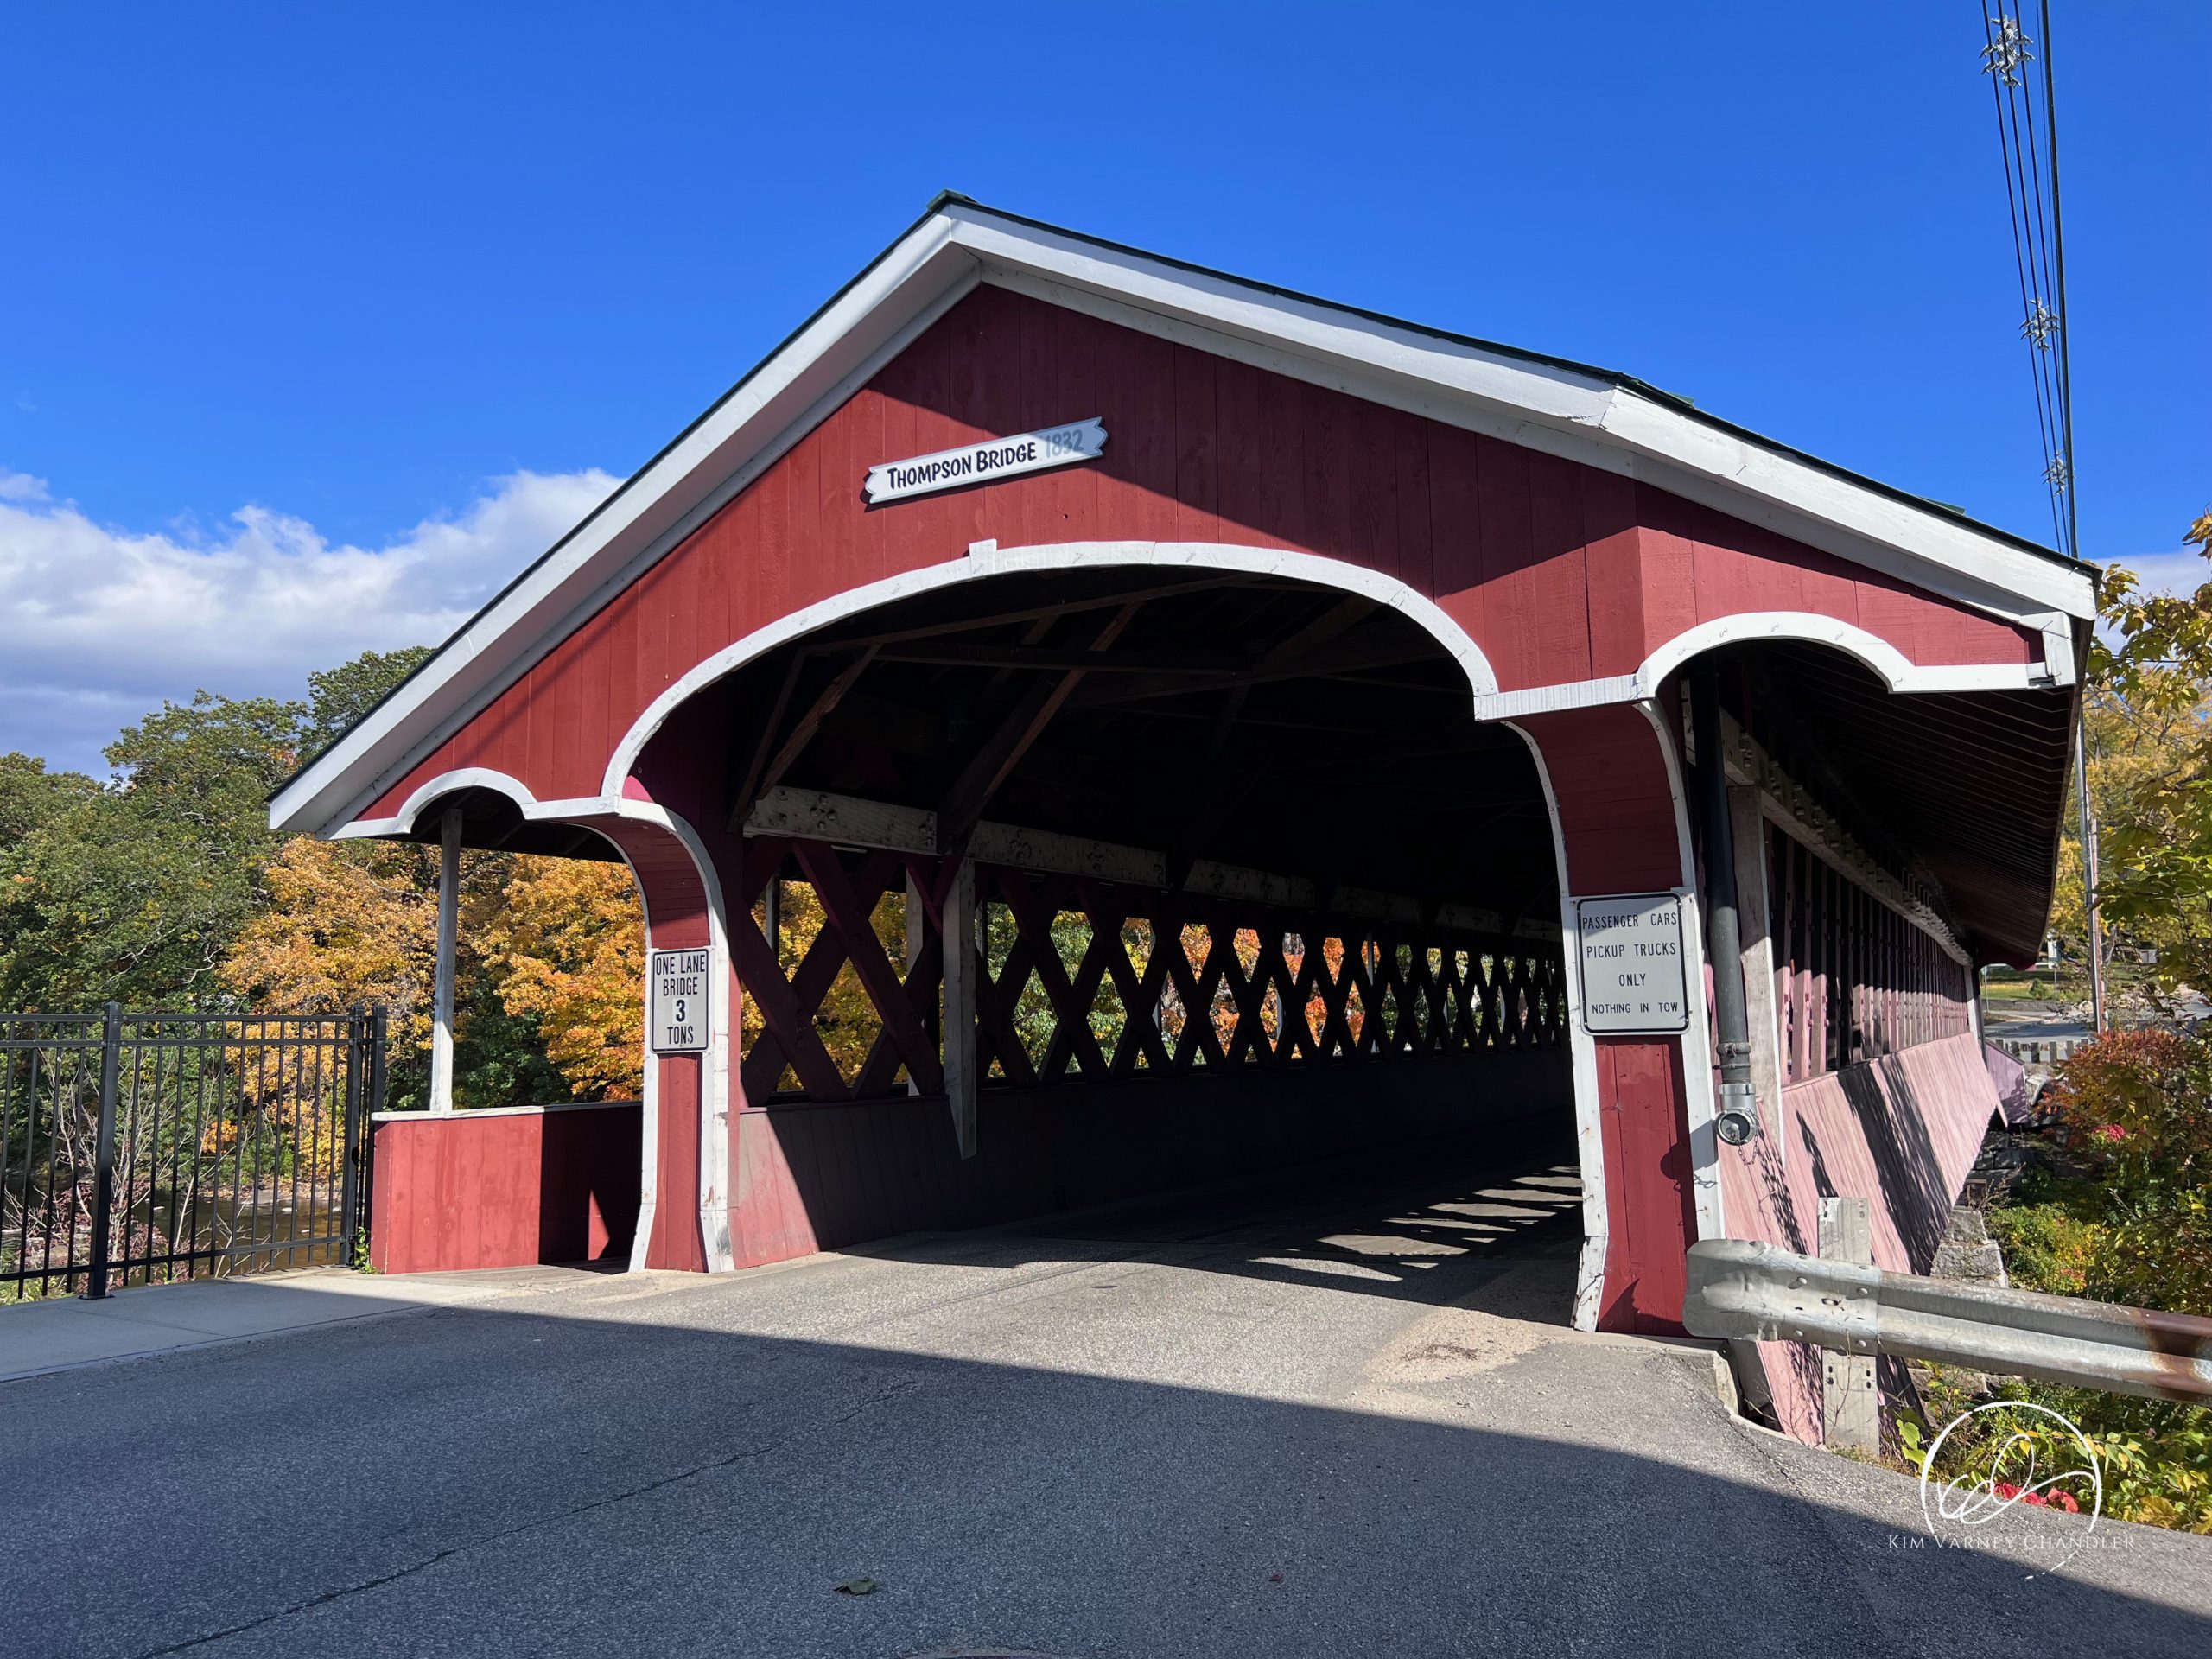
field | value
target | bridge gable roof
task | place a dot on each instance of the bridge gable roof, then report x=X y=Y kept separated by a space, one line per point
x=1588 y=414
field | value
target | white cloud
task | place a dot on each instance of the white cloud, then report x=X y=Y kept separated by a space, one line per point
x=101 y=624
x=2181 y=572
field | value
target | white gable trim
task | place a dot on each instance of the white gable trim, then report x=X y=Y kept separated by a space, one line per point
x=1544 y=406
x=791 y=394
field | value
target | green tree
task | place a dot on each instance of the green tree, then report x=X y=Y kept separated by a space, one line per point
x=135 y=889
x=338 y=697
x=2149 y=677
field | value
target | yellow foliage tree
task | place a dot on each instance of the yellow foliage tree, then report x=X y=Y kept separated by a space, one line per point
x=342 y=925
x=566 y=939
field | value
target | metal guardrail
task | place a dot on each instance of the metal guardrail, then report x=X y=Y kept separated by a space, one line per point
x=2040 y=1051
x=1741 y=1289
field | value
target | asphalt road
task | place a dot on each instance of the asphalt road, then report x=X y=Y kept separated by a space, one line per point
x=1327 y=1420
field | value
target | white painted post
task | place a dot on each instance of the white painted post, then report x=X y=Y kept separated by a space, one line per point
x=960 y=966
x=449 y=937
x=1851 y=1408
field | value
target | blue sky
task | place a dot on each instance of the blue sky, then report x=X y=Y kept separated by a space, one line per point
x=321 y=322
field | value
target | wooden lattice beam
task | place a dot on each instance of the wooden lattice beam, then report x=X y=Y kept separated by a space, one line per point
x=1397 y=991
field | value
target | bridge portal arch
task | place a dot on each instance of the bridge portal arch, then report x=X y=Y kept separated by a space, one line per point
x=1244 y=883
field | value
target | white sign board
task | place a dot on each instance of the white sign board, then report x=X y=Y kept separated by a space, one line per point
x=985 y=462
x=1635 y=975
x=677 y=1001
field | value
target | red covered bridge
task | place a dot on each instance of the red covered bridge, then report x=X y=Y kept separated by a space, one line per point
x=1204 y=717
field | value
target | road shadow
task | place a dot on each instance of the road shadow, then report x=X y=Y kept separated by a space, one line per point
x=612 y=1478
x=1491 y=1221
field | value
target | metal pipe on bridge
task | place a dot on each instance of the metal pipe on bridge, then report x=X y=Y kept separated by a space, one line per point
x=1737 y=1118
x=1741 y=1289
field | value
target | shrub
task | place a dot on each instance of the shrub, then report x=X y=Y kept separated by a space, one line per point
x=2137 y=1107
x=2048 y=1247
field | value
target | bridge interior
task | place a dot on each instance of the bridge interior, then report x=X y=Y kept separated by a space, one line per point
x=1249 y=887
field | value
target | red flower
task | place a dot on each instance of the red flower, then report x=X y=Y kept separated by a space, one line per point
x=2113 y=1132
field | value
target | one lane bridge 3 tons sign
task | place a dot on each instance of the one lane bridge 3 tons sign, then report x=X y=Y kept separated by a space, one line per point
x=677 y=999
x=1634 y=976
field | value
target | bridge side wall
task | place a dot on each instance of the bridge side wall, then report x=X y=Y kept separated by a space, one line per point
x=822 y=1176
x=1901 y=1131
x=1886 y=1094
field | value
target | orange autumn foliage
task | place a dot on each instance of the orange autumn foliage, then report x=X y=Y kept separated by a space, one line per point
x=559 y=940
x=567 y=938
x=342 y=925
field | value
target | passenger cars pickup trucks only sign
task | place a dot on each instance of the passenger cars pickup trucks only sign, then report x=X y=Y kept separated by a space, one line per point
x=979 y=463
x=677 y=993
x=1634 y=971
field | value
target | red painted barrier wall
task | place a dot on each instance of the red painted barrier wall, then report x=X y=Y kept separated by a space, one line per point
x=503 y=1189
x=1902 y=1131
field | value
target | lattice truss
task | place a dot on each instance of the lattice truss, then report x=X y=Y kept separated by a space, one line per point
x=1090 y=981
x=1853 y=979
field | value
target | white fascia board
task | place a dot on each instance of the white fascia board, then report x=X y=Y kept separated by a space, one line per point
x=784 y=398
x=1303 y=327
x=1536 y=404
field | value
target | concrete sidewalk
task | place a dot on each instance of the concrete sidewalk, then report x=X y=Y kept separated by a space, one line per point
x=67 y=1332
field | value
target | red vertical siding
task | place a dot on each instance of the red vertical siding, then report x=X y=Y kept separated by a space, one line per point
x=1559 y=572
x=468 y=1190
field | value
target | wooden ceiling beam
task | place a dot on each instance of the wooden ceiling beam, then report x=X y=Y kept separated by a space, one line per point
x=963 y=805
x=802 y=734
x=1211 y=665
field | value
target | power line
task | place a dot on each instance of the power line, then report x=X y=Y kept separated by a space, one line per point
x=2058 y=258
x=2039 y=252
x=2029 y=160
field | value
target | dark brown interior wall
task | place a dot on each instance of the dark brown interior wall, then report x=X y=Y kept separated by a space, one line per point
x=872 y=1169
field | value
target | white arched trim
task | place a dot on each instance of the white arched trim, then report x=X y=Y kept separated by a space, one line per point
x=1582 y=1052
x=1700 y=1106
x=714 y=1093
x=1897 y=671
x=987 y=559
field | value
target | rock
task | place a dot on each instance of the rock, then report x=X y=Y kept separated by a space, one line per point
x=1968 y=1252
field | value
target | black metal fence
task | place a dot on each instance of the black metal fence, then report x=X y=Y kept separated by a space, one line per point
x=138 y=1148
